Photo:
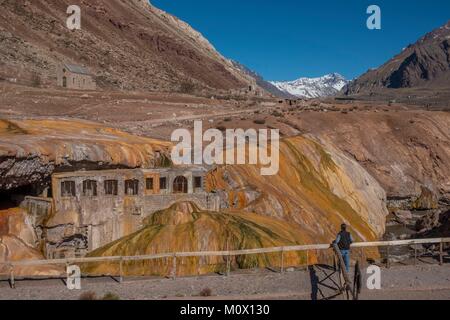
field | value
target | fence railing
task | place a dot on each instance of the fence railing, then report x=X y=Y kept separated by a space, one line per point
x=228 y=254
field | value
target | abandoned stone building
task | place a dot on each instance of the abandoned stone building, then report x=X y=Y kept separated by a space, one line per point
x=75 y=77
x=90 y=209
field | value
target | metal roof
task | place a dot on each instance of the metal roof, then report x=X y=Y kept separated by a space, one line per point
x=77 y=69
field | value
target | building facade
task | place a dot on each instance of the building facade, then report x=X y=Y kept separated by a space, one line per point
x=75 y=77
x=93 y=208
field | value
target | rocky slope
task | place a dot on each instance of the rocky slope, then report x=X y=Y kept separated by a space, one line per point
x=316 y=190
x=423 y=64
x=405 y=151
x=126 y=44
x=325 y=86
x=31 y=150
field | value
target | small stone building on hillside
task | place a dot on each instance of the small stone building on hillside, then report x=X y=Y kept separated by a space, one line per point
x=76 y=77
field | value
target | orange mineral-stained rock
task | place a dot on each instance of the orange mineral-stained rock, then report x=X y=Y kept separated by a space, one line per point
x=186 y=228
x=14 y=249
x=74 y=140
x=30 y=150
x=17 y=243
x=317 y=188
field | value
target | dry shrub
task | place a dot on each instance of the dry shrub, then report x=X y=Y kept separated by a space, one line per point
x=259 y=121
x=207 y=292
x=111 y=296
x=89 y=295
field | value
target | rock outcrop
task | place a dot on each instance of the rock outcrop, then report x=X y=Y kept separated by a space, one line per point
x=185 y=228
x=317 y=188
x=31 y=150
x=18 y=242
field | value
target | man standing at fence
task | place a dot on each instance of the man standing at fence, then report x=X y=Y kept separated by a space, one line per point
x=344 y=240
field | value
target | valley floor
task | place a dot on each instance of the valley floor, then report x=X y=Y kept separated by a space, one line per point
x=427 y=282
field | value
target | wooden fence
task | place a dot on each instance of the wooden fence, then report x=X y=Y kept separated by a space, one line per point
x=228 y=254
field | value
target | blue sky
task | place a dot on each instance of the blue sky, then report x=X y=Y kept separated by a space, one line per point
x=287 y=39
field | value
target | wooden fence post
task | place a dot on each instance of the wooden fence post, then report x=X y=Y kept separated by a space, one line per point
x=441 y=253
x=12 y=281
x=307 y=259
x=388 y=262
x=361 y=257
x=121 y=270
x=174 y=267
x=228 y=265
x=282 y=261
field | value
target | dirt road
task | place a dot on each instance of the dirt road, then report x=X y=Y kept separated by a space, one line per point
x=408 y=282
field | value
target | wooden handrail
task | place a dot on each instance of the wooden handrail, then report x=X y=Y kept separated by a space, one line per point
x=219 y=253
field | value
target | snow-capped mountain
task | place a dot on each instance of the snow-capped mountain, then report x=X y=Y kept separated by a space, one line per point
x=325 y=86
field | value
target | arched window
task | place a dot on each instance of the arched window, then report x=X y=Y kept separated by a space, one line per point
x=180 y=185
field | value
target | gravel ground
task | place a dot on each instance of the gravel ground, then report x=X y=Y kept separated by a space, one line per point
x=407 y=282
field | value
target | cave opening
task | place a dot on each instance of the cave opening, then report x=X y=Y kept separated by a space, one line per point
x=13 y=198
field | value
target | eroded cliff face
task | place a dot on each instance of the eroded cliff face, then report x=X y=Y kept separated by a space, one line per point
x=31 y=150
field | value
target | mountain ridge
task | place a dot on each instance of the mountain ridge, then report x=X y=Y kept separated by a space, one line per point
x=425 y=63
x=128 y=45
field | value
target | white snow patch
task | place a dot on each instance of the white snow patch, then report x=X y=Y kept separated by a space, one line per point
x=327 y=85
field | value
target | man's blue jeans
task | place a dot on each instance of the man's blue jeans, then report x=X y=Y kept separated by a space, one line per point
x=346 y=257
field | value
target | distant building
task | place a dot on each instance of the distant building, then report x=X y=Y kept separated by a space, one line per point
x=71 y=76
